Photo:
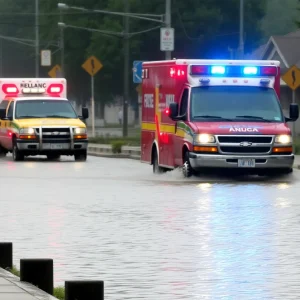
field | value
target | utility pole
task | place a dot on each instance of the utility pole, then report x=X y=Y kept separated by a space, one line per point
x=126 y=69
x=37 y=42
x=62 y=46
x=168 y=24
x=241 y=46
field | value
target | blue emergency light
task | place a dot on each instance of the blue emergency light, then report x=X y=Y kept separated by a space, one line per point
x=250 y=71
x=218 y=70
x=234 y=71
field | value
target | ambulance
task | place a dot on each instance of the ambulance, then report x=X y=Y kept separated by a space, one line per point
x=215 y=114
x=36 y=118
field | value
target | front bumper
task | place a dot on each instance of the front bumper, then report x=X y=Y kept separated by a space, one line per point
x=199 y=161
x=62 y=147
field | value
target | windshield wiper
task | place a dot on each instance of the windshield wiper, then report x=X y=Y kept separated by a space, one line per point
x=57 y=116
x=28 y=117
x=254 y=118
x=212 y=117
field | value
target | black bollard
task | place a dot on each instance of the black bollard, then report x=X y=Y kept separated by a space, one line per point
x=38 y=272
x=6 y=255
x=83 y=290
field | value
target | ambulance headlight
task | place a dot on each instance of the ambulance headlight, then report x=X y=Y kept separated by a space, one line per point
x=79 y=130
x=205 y=138
x=283 y=139
x=27 y=131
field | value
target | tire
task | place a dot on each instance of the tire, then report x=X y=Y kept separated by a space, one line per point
x=53 y=156
x=81 y=156
x=156 y=168
x=187 y=169
x=3 y=151
x=16 y=153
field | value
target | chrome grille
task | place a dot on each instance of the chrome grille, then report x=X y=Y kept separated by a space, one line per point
x=54 y=134
x=245 y=144
x=240 y=139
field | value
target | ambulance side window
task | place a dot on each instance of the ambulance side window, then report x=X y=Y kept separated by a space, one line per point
x=4 y=104
x=10 y=110
x=184 y=102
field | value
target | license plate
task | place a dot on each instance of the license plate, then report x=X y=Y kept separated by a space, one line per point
x=56 y=146
x=246 y=163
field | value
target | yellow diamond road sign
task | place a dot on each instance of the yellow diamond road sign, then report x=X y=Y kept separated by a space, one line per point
x=292 y=77
x=92 y=65
x=139 y=89
x=54 y=71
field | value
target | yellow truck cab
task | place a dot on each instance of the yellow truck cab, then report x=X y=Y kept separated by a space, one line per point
x=36 y=118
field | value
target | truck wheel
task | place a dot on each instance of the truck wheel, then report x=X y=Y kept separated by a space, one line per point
x=81 y=156
x=53 y=156
x=16 y=153
x=187 y=169
x=3 y=151
x=156 y=168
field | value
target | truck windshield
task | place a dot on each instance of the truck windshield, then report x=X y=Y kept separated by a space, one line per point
x=45 y=108
x=236 y=103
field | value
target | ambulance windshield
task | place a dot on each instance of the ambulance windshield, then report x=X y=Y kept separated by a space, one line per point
x=44 y=108
x=236 y=103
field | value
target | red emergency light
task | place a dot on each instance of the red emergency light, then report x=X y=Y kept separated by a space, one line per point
x=10 y=89
x=55 y=88
x=176 y=72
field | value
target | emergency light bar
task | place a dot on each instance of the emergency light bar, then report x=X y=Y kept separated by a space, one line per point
x=10 y=89
x=233 y=71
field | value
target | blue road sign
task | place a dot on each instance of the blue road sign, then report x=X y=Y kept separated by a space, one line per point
x=137 y=71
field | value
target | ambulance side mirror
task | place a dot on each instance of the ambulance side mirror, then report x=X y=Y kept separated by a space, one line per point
x=173 y=111
x=294 y=111
x=2 y=113
x=85 y=113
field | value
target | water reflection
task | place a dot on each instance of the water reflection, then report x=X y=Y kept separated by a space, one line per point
x=154 y=237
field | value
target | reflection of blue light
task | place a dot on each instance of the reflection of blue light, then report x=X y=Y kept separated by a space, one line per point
x=217 y=70
x=250 y=70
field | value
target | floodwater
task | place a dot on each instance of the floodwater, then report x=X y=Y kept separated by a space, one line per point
x=154 y=237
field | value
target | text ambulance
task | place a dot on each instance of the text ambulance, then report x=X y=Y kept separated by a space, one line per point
x=215 y=114
x=36 y=118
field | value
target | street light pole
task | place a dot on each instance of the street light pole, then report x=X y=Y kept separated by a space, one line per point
x=37 y=42
x=126 y=69
x=241 y=29
x=62 y=46
x=168 y=24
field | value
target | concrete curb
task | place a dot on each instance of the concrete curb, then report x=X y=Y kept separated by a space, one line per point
x=106 y=151
x=27 y=287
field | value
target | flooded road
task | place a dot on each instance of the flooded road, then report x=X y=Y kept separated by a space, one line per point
x=155 y=237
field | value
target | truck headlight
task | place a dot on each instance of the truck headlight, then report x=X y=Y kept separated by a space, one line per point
x=27 y=131
x=79 y=130
x=283 y=139
x=205 y=138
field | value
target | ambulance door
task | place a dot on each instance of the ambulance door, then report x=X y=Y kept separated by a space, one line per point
x=179 y=127
x=7 y=139
x=3 y=105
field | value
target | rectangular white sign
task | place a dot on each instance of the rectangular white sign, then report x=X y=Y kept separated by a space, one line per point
x=46 y=58
x=167 y=39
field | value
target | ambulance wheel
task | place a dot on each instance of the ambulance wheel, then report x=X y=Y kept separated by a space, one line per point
x=53 y=156
x=3 y=151
x=187 y=169
x=81 y=156
x=156 y=168
x=16 y=153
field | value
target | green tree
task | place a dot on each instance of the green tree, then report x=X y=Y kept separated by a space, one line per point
x=280 y=18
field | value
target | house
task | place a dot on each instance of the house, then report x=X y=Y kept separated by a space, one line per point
x=286 y=49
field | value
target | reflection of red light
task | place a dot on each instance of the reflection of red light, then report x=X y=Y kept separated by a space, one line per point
x=9 y=133
x=167 y=111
